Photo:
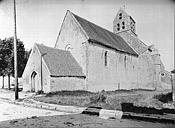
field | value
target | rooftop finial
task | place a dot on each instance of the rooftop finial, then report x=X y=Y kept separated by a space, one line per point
x=123 y=7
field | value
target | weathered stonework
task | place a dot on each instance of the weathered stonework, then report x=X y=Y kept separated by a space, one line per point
x=34 y=65
x=72 y=36
x=66 y=83
x=105 y=67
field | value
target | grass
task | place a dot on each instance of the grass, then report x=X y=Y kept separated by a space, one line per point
x=105 y=99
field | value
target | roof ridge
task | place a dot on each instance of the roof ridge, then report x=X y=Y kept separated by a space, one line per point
x=112 y=35
x=60 y=62
x=95 y=24
x=42 y=45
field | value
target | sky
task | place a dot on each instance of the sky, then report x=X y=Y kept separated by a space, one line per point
x=39 y=21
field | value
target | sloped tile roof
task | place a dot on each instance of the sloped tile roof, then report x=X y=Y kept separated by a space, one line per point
x=60 y=62
x=104 y=37
x=138 y=45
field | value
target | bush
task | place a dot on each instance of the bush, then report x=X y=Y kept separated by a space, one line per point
x=165 y=98
x=70 y=93
x=39 y=92
x=100 y=97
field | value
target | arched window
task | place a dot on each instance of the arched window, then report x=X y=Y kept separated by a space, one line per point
x=106 y=55
x=123 y=25
x=120 y=16
x=68 y=47
x=118 y=26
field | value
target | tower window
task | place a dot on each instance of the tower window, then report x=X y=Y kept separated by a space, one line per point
x=120 y=16
x=118 y=27
x=123 y=25
x=106 y=54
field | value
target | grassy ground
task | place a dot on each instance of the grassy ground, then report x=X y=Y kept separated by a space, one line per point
x=105 y=99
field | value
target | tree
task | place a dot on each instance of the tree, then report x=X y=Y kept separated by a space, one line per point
x=7 y=57
x=2 y=61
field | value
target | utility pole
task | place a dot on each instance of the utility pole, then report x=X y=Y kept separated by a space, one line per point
x=15 y=53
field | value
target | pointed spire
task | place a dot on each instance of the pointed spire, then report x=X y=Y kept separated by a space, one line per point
x=123 y=6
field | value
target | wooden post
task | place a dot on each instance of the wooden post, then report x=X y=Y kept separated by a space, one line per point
x=15 y=54
x=9 y=81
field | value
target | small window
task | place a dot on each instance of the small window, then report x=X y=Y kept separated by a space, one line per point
x=120 y=16
x=68 y=47
x=123 y=23
x=149 y=49
x=125 y=60
x=106 y=55
x=118 y=27
x=162 y=74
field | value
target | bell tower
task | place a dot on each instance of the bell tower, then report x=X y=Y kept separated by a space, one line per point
x=124 y=23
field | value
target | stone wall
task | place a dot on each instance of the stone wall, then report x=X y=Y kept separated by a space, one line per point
x=123 y=71
x=66 y=83
x=34 y=64
x=72 y=38
x=149 y=62
x=119 y=73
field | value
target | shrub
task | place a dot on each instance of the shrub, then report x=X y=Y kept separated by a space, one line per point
x=165 y=98
x=100 y=97
x=70 y=93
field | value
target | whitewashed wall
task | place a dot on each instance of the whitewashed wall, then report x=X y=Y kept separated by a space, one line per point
x=66 y=83
x=71 y=33
x=34 y=64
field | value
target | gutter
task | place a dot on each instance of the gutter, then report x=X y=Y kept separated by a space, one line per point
x=83 y=77
x=94 y=41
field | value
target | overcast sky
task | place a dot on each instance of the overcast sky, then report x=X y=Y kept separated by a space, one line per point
x=39 y=21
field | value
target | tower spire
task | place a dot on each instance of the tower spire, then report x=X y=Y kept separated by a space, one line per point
x=123 y=6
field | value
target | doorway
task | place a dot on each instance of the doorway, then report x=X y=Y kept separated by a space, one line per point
x=33 y=81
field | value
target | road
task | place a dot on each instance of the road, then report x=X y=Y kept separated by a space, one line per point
x=16 y=116
x=11 y=111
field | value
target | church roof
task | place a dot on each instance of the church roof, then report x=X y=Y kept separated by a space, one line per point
x=137 y=45
x=104 y=37
x=60 y=62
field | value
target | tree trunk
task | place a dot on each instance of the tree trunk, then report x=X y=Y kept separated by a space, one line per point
x=9 y=82
x=3 y=81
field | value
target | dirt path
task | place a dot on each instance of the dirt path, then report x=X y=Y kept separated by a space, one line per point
x=11 y=111
x=77 y=121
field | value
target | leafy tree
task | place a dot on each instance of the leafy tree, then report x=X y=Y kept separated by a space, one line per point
x=2 y=61
x=8 y=58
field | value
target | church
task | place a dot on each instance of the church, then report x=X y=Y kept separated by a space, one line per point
x=89 y=57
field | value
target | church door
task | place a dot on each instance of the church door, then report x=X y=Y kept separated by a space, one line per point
x=33 y=81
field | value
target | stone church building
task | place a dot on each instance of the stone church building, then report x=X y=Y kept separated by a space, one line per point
x=89 y=57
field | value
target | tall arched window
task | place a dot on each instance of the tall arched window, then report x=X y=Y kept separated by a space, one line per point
x=123 y=25
x=120 y=16
x=106 y=55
